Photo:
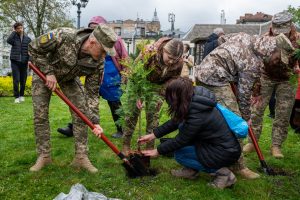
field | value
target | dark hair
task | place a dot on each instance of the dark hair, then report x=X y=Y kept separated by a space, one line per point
x=17 y=24
x=187 y=46
x=179 y=93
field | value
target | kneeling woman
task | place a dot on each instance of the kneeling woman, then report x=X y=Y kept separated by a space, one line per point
x=204 y=142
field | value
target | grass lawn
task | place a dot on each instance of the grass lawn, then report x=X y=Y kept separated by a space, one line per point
x=17 y=155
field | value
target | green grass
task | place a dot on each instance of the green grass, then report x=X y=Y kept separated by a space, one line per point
x=17 y=154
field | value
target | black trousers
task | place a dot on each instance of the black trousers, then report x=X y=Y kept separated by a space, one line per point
x=19 y=72
x=114 y=106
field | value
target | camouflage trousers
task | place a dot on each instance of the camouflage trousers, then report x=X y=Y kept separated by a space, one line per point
x=226 y=97
x=41 y=96
x=285 y=98
x=152 y=120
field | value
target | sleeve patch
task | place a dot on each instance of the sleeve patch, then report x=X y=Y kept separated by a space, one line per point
x=46 y=38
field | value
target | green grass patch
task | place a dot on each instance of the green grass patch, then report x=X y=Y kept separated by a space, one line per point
x=17 y=155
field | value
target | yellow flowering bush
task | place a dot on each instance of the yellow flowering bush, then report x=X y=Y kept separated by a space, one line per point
x=6 y=86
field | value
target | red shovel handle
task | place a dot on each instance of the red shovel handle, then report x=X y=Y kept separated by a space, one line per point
x=76 y=110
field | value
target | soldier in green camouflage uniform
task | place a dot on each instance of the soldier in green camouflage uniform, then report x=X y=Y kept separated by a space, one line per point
x=278 y=80
x=239 y=60
x=63 y=55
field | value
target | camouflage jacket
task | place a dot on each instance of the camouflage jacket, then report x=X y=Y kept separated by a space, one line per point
x=58 y=53
x=161 y=73
x=234 y=61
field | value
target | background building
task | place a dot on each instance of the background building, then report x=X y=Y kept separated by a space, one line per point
x=133 y=31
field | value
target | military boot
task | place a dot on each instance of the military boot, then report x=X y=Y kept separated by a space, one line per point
x=248 y=148
x=276 y=152
x=185 y=172
x=223 y=178
x=42 y=161
x=248 y=174
x=82 y=161
x=126 y=145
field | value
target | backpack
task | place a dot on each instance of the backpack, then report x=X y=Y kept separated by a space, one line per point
x=236 y=123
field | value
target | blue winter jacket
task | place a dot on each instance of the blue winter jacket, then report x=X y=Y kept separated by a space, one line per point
x=211 y=44
x=19 y=49
x=110 y=87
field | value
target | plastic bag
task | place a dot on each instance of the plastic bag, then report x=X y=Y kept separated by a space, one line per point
x=236 y=123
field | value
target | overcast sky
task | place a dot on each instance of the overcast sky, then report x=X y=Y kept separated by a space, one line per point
x=187 y=12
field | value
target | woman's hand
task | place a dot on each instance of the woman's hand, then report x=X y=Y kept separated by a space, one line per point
x=152 y=153
x=98 y=130
x=256 y=101
x=146 y=138
x=51 y=82
x=139 y=104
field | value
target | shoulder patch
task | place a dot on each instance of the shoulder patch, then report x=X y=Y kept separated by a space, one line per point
x=46 y=38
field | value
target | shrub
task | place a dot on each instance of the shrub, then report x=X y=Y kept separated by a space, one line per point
x=6 y=86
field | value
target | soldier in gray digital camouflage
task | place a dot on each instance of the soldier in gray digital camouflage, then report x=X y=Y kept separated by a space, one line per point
x=239 y=60
x=276 y=78
x=64 y=55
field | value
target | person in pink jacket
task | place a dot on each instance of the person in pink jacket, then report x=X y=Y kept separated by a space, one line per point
x=111 y=81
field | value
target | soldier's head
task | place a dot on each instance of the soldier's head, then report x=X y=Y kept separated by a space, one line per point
x=282 y=23
x=100 y=42
x=172 y=52
x=280 y=58
x=95 y=21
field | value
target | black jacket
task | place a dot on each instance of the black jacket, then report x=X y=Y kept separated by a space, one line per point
x=211 y=44
x=19 y=50
x=204 y=127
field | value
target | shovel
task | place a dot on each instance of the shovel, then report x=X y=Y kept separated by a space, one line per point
x=266 y=169
x=133 y=165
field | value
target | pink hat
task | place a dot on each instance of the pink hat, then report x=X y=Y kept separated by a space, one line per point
x=97 y=20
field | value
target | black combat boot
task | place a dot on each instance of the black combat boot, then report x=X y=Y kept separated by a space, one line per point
x=67 y=131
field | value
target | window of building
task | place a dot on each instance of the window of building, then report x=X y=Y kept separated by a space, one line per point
x=118 y=30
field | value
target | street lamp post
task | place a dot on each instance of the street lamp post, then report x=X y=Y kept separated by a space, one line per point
x=79 y=4
x=171 y=19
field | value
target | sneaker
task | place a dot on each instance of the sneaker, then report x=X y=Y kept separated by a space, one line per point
x=224 y=178
x=185 y=172
x=17 y=100
x=248 y=148
x=117 y=135
x=276 y=152
x=22 y=99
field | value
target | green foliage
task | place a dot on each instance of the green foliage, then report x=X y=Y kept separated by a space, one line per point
x=296 y=14
x=137 y=87
x=39 y=16
x=18 y=154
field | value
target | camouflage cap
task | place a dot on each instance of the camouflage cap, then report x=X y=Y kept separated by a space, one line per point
x=106 y=37
x=285 y=46
x=281 y=22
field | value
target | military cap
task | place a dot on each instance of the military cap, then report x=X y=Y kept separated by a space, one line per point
x=106 y=37
x=281 y=22
x=285 y=46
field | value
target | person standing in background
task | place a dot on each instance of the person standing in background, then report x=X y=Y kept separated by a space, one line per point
x=212 y=41
x=188 y=62
x=19 y=60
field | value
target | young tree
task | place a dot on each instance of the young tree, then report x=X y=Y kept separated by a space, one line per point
x=296 y=14
x=38 y=15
